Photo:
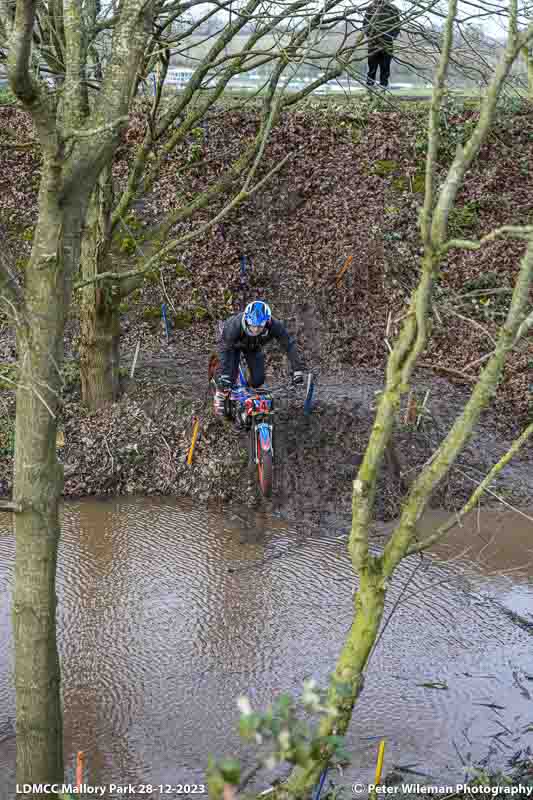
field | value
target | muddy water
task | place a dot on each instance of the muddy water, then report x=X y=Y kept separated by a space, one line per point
x=167 y=613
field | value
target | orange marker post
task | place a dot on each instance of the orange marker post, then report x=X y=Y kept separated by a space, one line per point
x=193 y=443
x=80 y=761
x=341 y=272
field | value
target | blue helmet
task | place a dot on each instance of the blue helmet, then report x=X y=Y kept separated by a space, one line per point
x=256 y=315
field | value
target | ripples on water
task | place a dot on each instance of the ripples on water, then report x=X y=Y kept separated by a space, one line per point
x=168 y=613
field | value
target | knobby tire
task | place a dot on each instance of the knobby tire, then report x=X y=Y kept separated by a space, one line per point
x=264 y=468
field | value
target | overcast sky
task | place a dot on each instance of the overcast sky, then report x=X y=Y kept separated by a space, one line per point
x=491 y=16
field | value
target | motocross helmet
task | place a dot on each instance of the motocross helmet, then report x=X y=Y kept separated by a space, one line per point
x=256 y=317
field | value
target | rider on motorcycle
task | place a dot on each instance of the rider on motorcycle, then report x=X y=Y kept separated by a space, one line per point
x=247 y=333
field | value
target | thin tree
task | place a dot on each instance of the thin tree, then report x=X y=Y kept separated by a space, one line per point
x=375 y=572
x=75 y=146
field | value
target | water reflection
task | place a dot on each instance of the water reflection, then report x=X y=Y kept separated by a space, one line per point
x=167 y=612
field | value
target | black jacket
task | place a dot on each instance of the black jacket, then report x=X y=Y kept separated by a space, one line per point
x=235 y=338
x=382 y=25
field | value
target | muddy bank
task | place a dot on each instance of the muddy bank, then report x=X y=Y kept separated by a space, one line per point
x=352 y=188
x=140 y=445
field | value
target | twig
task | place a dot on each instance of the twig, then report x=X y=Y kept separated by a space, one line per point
x=498 y=722
x=387 y=329
x=10 y=506
x=394 y=608
x=455 y=372
x=43 y=401
x=110 y=456
x=513 y=231
x=461 y=759
x=135 y=359
x=422 y=408
x=482 y=487
x=497 y=496
x=402 y=316
x=479 y=360
x=472 y=322
x=483 y=292
x=171 y=304
x=425 y=464
x=169 y=452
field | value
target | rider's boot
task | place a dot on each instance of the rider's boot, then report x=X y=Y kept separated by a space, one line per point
x=219 y=403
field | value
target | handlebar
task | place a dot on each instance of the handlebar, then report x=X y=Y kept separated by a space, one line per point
x=289 y=385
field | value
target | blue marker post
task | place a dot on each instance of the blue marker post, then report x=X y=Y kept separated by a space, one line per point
x=318 y=790
x=165 y=320
x=153 y=82
x=309 y=395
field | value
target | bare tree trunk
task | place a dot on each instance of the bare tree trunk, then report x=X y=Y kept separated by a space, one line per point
x=99 y=315
x=38 y=482
x=76 y=145
x=99 y=349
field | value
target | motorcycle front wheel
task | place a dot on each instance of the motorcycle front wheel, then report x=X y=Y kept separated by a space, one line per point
x=264 y=466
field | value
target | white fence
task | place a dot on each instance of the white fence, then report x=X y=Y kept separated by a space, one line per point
x=252 y=81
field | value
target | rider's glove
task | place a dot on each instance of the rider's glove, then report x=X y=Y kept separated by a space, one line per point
x=224 y=383
x=297 y=377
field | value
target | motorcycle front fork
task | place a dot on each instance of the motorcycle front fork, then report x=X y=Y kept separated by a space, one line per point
x=253 y=434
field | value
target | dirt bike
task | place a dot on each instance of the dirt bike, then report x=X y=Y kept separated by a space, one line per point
x=252 y=410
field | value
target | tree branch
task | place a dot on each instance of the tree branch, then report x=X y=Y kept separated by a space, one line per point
x=153 y=262
x=523 y=232
x=129 y=41
x=25 y=87
x=469 y=505
x=465 y=155
x=457 y=437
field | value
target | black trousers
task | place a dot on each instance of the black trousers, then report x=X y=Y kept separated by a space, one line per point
x=256 y=364
x=381 y=59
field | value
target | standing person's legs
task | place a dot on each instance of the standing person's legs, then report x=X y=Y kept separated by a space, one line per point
x=384 y=68
x=256 y=364
x=373 y=63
